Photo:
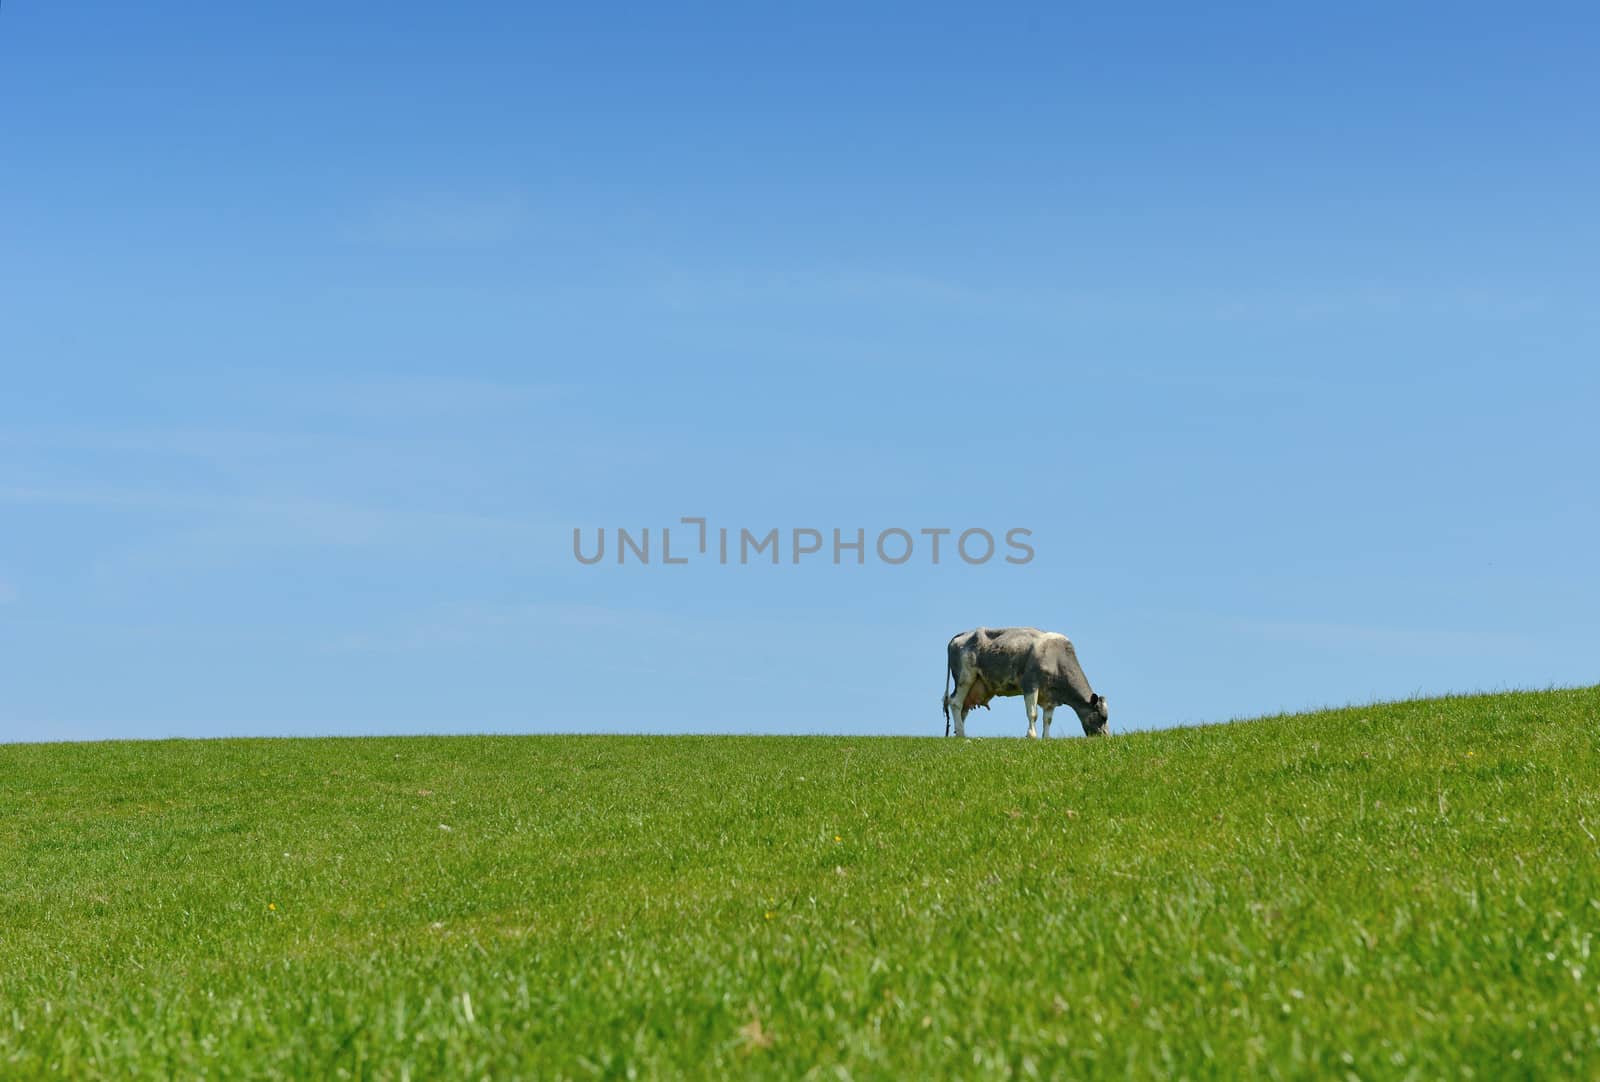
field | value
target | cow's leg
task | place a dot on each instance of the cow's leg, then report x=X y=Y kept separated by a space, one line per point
x=1048 y=711
x=958 y=699
x=959 y=714
x=1030 y=703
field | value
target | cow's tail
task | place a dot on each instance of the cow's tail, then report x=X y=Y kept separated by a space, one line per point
x=949 y=680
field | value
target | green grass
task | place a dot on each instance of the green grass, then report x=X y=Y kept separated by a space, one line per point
x=1407 y=890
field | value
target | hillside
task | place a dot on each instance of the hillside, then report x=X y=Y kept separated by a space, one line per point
x=1388 y=891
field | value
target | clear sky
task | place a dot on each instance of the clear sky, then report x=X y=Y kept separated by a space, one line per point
x=322 y=326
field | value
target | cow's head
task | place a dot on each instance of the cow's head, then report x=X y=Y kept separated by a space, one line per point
x=1095 y=716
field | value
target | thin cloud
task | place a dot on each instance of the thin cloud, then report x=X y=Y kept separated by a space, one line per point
x=1413 y=641
x=214 y=530
x=301 y=405
x=441 y=221
x=409 y=398
x=207 y=443
x=238 y=532
x=103 y=497
x=470 y=624
x=826 y=287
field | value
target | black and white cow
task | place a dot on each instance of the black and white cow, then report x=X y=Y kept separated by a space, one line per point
x=1041 y=666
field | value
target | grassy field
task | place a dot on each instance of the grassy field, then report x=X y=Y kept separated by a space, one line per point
x=1408 y=890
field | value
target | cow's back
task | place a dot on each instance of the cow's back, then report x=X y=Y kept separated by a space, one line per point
x=1001 y=656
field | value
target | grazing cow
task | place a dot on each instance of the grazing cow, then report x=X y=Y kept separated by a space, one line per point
x=1041 y=666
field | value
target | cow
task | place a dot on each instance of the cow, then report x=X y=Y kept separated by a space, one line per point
x=1041 y=666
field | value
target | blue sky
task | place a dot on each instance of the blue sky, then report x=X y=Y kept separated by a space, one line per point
x=322 y=327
